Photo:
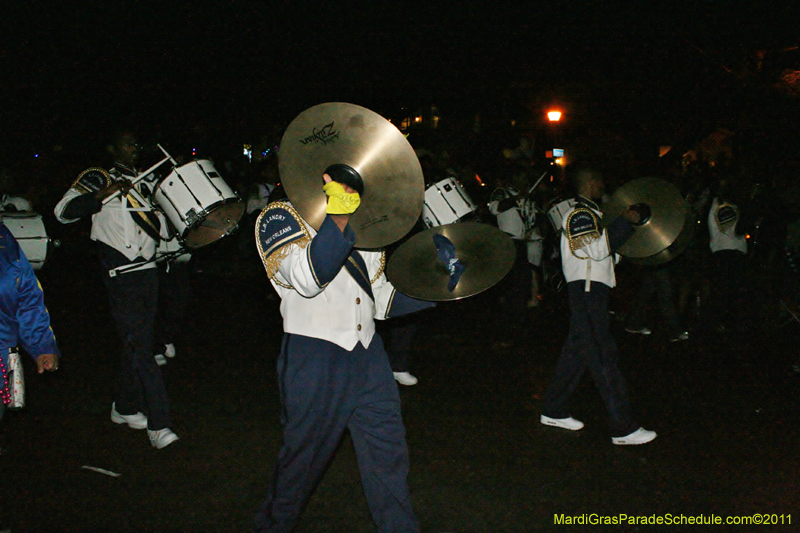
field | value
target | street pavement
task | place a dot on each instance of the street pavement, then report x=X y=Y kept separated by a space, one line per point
x=726 y=416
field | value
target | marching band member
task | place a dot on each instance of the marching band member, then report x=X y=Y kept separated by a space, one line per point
x=587 y=255
x=728 y=244
x=126 y=232
x=516 y=211
x=24 y=319
x=333 y=371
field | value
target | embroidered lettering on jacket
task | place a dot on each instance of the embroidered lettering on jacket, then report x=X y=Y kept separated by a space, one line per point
x=583 y=228
x=279 y=226
x=92 y=180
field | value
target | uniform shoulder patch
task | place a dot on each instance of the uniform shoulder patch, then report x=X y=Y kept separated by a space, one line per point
x=278 y=226
x=582 y=228
x=726 y=216
x=92 y=180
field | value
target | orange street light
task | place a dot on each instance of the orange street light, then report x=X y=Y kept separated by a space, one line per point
x=554 y=116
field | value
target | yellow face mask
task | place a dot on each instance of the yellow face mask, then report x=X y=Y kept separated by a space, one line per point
x=339 y=201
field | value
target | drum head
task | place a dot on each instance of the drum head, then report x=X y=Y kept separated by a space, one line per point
x=200 y=205
x=220 y=222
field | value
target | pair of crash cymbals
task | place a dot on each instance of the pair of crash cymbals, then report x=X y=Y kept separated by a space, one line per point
x=486 y=254
x=339 y=133
x=392 y=191
x=666 y=225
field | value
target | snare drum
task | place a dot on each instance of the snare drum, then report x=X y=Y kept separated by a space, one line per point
x=28 y=228
x=198 y=202
x=445 y=202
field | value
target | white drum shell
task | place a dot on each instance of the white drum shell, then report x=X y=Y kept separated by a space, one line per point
x=29 y=230
x=557 y=212
x=445 y=202
x=190 y=192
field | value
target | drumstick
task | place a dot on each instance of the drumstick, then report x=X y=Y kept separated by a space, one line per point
x=143 y=175
x=538 y=181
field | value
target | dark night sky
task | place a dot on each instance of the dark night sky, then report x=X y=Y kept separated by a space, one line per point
x=69 y=67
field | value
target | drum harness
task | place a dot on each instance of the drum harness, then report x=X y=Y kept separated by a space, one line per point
x=125 y=269
x=157 y=258
x=144 y=206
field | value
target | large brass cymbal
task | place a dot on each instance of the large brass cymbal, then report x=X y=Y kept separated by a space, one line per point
x=341 y=133
x=668 y=223
x=676 y=248
x=486 y=252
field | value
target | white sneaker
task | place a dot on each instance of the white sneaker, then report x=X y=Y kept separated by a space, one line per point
x=680 y=337
x=563 y=423
x=160 y=359
x=161 y=438
x=170 y=351
x=137 y=421
x=643 y=331
x=640 y=436
x=404 y=378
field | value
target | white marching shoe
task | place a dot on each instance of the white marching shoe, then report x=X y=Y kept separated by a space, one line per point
x=161 y=438
x=169 y=350
x=404 y=378
x=640 y=436
x=563 y=423
x=137 y=421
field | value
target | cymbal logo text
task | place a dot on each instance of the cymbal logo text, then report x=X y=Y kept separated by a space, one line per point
x=372 y=221
x=323 y=135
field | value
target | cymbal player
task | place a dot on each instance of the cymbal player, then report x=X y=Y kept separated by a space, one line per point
x=588 y=259
x=333 y=371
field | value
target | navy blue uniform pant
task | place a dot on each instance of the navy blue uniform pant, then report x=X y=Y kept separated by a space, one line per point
x=729 y=303
x=133 y=300
x=174 y=289
x=326 y=390
x=589 y=345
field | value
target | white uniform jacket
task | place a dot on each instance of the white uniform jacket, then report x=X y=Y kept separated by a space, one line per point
x=113 y=223
x=722 y=220
x=519 y=221
x=587 y=249
x=328 y=290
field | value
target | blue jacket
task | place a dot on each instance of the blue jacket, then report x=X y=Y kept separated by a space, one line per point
x=24 y=319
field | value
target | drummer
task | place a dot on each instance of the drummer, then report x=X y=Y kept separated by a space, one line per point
x=126 y=233
x=516 y=211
